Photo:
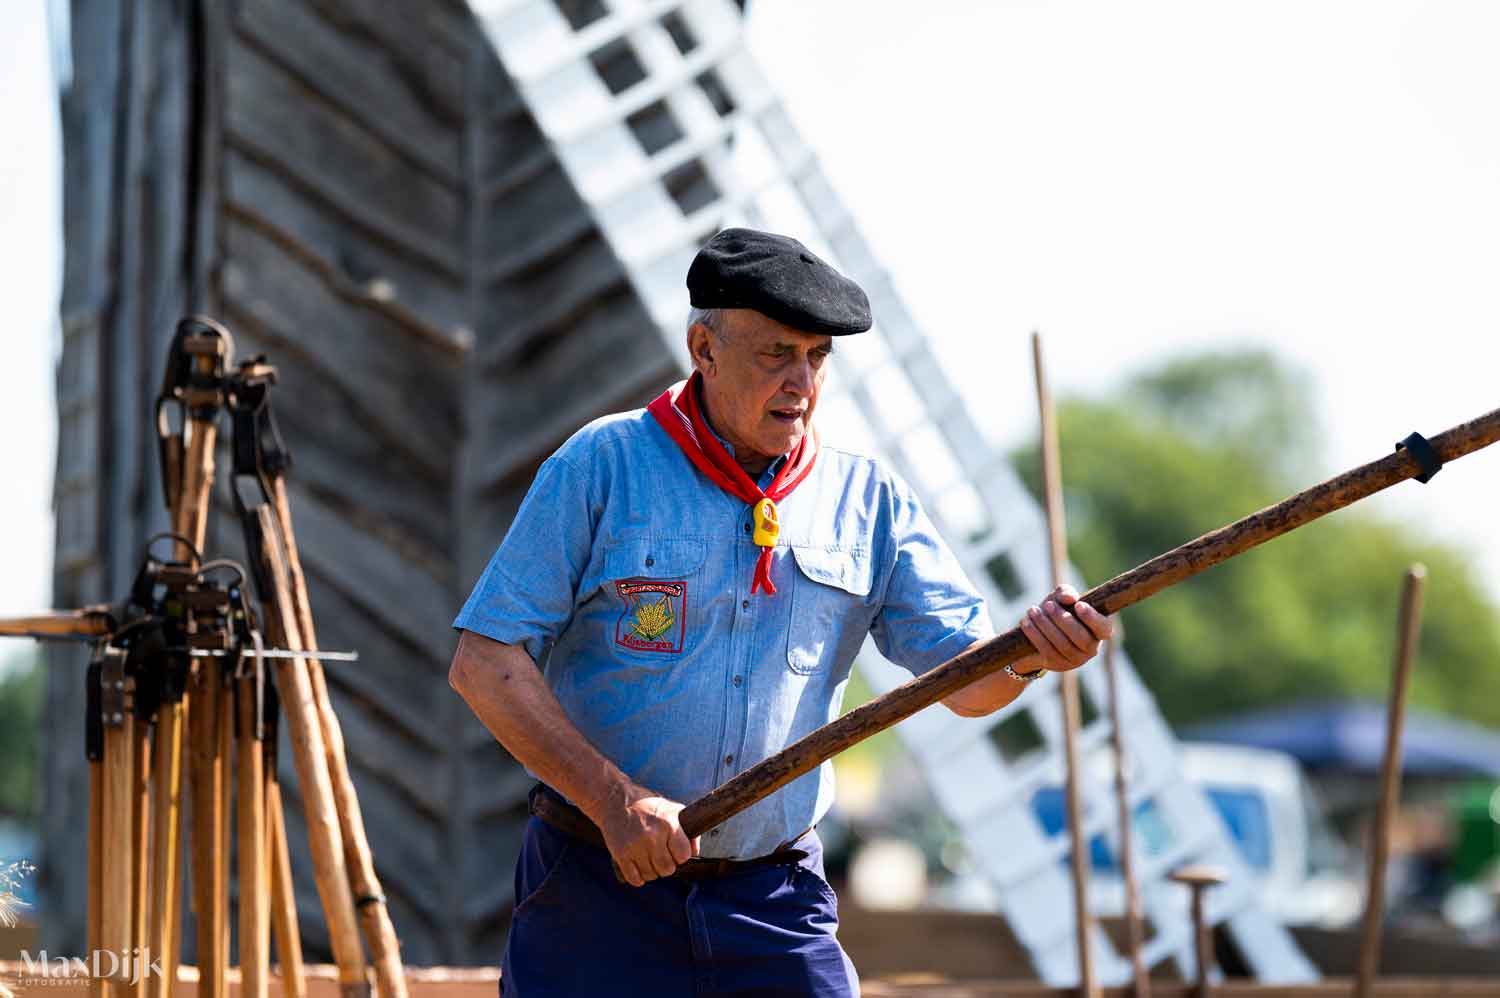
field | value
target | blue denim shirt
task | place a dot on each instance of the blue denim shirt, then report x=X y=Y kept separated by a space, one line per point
x=626 y=576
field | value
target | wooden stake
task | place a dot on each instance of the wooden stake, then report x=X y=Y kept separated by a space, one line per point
x=116 y=866
x=205 y=762
x=206 y=780
x=310 y=755
x=1390 y=779
x=224 y=823
x=1135 y=934
x=166 y=846
x=140 y=900
x=190 y=516
x=255 y=885
x=1199 y=879
x=283 y=897
x=375 y=919
x=89 y=622
x=1057 y=549
x=98 y=986
x=986 y=657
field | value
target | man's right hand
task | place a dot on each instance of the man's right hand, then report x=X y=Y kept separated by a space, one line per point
x=645 y=837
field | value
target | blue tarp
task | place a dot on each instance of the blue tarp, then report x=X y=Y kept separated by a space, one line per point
x=1350 y=735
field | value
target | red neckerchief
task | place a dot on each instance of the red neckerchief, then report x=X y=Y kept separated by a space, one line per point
x=678 y=412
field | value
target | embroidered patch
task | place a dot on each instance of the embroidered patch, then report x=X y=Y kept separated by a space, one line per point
x=655 y=615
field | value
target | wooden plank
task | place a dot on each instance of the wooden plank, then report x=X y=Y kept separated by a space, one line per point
x=405 y=387
x=425 y=286
x=391 y=679
x=411 y=863
x=373 y=576
x=502 y=790
x=526 y=304
x=271 y=117
x=510 y=134
x=387 y=753
x=932 y=986
x=354 y=74
x=372 y=294
x=426 y=43
x=530 y=213
x=546 y=248
x=90 y=124
x=78 y=367
x=544 y=394
x=509 y=176
x=336 y=457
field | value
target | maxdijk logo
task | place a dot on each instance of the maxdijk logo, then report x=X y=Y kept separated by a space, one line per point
x=134 y=965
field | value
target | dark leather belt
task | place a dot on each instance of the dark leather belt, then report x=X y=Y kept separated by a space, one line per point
x=558 y=813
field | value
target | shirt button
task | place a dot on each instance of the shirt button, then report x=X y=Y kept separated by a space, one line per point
x=728 y=759
x=744 y=604
x=650 y=562
x=739 y=680
x=749 y=529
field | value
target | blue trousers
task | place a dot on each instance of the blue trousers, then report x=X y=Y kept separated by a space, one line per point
x=576 y=930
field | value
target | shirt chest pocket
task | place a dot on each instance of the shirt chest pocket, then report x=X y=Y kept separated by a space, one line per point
x=652 y=582
x=829 y=606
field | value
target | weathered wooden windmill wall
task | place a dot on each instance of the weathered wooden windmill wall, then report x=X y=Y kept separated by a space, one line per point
x=357 y=190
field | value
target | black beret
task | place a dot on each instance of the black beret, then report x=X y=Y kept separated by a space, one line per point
x=779 y=277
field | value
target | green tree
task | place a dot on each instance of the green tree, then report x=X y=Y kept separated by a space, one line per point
x=20 y=733
x=1202 y=441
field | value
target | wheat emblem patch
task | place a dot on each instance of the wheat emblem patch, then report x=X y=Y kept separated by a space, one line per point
x=654 y=618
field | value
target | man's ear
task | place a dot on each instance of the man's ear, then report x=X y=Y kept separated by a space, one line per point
x=702 y=350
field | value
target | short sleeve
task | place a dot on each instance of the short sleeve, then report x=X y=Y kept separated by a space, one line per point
x=931 y=610
x=527 y=593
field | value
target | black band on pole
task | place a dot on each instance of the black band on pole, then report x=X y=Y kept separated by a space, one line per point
x=1419 y=448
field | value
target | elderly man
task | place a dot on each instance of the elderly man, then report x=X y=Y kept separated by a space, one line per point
x=680 y=596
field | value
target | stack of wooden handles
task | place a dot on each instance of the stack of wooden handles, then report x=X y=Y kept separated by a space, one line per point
x=136 y=786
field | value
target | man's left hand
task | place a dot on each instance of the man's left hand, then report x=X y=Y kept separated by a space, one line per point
x=1063 y=640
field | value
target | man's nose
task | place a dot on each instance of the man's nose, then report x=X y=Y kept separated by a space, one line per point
x=799 y=379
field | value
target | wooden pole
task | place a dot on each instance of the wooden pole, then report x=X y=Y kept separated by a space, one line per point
x=178 y=721
x=305 y=729
x=140 y=888
x=1134 y=931
x=255 y=914
x=283 y=897
x=90 y=622
x=984 y=658
x=98 y=986
x=1390 y=779
x=206 y=780
x=166 y=846
x=375 y=919
x=118 y=824
x=1199 y=879
x=225 y=730
x=1057 y=549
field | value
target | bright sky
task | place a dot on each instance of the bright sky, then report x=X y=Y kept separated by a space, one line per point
x=30 y=263
x=1136 y=179
x=1131 y=179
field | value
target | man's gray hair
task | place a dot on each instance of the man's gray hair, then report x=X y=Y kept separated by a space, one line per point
x=710 y=317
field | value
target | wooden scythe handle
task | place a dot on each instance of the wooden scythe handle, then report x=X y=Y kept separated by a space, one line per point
x=985 y=657
x=90 y=622
x=374 y=919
